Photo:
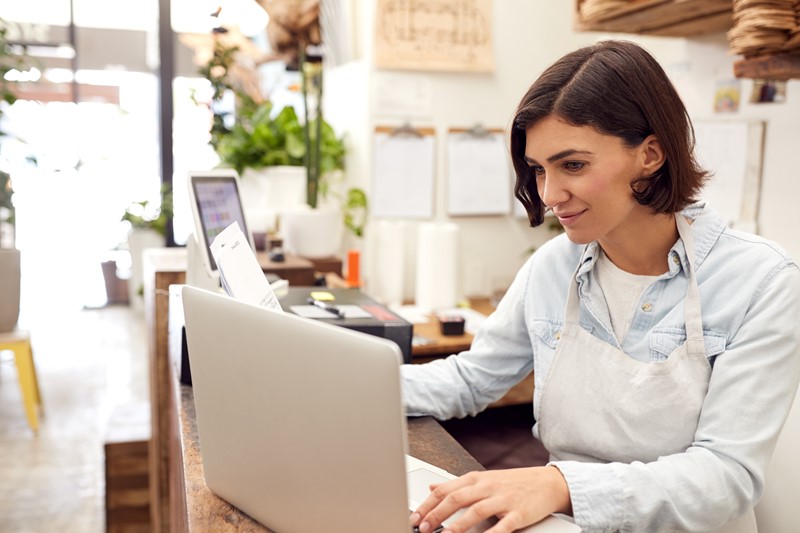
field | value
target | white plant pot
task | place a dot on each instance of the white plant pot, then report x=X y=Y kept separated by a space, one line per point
x=312 y=233
x=10 y=274
x=266 y=192
x=138 y=241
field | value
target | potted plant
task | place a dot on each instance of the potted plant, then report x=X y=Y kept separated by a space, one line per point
x=147 y=229
x=285 y=163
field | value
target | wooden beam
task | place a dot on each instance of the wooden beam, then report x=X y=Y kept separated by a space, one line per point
x=771 y=67
x=709 y=24
x=660 y=17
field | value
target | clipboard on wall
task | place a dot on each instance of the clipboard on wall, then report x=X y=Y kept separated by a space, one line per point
x=403 y=172
x=478 y=172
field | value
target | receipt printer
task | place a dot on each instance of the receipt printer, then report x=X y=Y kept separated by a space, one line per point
x=361 y=313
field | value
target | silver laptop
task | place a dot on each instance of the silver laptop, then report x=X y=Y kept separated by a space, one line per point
x=301 y=423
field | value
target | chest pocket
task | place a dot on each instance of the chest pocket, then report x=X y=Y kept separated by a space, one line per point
x=545 y=334
x=664 y=341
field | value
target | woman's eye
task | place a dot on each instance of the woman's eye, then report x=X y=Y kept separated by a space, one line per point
x=537 y=170
x=574 y=166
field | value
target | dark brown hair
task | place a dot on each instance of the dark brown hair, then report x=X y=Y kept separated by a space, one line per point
x=617 y=88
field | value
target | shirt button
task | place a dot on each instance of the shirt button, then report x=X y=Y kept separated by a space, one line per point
x=647 y=307
x=557 y=335
x=676 y=259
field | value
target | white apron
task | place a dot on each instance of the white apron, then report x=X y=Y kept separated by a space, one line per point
x=600 y=405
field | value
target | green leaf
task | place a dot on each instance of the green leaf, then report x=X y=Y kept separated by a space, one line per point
x=295 y=145
x=262 y=113
x=355 y=211
x=287 y=119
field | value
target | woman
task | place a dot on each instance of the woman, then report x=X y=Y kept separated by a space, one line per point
x=663 y=344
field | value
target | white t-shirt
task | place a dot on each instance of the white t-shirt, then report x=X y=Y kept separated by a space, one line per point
x=622 y=291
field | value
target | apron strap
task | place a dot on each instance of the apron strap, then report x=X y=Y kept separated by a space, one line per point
x=572 y=310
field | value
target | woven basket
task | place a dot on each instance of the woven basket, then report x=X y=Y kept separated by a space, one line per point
x=764 y=26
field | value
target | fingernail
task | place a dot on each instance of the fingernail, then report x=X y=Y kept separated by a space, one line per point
x=424 y=527
x=414 y=518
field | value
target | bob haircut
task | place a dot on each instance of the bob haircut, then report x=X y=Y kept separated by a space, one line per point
x=617 y=88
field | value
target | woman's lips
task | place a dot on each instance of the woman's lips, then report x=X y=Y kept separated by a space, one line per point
x=567 y=219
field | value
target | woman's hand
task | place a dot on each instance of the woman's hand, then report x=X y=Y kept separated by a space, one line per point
x=518 y=497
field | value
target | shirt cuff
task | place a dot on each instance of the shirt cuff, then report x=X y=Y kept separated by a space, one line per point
x=597 y=495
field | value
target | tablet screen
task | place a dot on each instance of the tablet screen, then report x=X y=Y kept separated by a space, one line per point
x=218 y=205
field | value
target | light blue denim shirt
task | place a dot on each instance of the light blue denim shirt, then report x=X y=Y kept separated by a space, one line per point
x=750 y=297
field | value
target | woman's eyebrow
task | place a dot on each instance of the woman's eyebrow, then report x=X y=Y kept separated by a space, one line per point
x=566 y=153
x=560 y=155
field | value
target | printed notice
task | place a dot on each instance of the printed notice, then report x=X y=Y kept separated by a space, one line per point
x=434 y=35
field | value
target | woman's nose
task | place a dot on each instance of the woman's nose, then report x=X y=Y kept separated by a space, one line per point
x=552 y=192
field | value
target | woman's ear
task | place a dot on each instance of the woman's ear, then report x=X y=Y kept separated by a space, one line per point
x=653 y=155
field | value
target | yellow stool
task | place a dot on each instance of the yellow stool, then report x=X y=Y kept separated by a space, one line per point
x=19 y=342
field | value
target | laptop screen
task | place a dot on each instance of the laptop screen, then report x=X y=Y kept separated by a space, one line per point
x=218 y=205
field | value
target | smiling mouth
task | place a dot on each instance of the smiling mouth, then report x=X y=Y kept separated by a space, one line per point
x=566 y=220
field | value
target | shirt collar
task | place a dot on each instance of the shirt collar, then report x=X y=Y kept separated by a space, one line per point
x=707 y=225
x=588 y=258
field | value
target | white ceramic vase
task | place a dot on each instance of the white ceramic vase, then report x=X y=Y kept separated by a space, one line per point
x=267 y=191
x=312 y=233
x=10 y=274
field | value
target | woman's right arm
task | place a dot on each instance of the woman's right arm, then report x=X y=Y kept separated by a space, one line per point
x=464 y=384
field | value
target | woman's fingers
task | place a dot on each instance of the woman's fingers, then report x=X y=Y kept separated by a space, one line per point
x=478 y=512
x=519 y=497
x=445 y=499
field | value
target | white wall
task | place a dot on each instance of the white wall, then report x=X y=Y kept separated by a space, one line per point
x=529 y=36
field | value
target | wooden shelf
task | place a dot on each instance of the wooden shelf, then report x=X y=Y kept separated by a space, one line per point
x=688 y=18
x=672 y=18
x=769 y=67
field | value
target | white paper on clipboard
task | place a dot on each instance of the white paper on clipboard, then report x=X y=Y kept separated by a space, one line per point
x=403 y=176
x=478 y=174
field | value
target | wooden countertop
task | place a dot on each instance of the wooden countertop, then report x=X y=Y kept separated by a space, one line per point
x=444 y=345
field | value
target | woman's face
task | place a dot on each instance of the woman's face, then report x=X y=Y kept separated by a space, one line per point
x=585 y=178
